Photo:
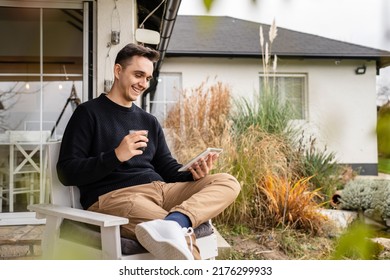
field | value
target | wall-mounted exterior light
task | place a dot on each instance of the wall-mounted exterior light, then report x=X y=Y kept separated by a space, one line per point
x=147 y=36
x=361 y=70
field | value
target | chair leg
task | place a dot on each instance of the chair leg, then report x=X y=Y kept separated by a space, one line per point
x=1 y=191
x=111 y=247
x=31 y=193
x=1 y=199
x=50 y=237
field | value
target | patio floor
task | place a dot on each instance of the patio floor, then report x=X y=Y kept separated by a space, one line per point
x=24 y=242
x=20 y=242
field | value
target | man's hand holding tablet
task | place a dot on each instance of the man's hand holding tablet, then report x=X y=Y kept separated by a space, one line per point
x=203 y=155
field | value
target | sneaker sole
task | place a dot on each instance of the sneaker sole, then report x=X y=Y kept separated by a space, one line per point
x=161 y=249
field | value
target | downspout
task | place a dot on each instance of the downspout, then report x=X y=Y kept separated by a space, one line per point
x=167 y=24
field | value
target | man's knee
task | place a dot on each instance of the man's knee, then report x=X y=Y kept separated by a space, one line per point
x=230 y=182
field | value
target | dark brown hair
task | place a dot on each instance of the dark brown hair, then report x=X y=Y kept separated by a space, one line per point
x=130 y=50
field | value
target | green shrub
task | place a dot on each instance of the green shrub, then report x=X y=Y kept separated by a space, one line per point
x=322 y=165
x=266 y=111
x=371 y=197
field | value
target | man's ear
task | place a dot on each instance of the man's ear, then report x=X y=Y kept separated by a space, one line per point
x=117 y=70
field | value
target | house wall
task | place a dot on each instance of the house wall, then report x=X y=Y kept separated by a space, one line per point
x=341 y=106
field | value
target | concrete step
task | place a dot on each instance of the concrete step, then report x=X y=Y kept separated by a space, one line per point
x=224 y=248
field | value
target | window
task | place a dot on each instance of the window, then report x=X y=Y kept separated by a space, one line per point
x=35 y=82
x=41 y=65
x=290 y=88
x=167 y=94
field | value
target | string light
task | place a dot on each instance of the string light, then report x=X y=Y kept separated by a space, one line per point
x=115 y=25
x=27 y=85
x=107 y=73
x=66 y=77
x=115 y=39
x=150 y=14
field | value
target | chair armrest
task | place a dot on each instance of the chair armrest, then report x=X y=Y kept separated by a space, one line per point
x=84 y=216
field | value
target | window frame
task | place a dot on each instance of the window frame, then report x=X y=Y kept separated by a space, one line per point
x=164 y=102
x=304 y=94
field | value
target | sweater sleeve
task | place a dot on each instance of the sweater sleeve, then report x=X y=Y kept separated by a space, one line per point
x=76 y=165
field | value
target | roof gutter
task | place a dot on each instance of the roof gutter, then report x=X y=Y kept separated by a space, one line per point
x=168 y=22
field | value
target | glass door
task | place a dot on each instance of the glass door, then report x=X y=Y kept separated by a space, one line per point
x=41 y=83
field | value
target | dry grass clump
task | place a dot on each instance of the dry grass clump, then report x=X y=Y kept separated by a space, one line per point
x=291 y=203
x=249 y=156
x=272 y=193
x=199 y=120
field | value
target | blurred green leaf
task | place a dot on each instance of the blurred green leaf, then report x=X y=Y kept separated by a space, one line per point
x=208 y=4
x=356 y=244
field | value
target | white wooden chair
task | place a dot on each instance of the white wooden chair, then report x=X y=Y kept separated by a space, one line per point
x=21 y=175
x=73 y=233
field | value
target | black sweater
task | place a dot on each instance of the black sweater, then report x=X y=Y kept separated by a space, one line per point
x=87 y=158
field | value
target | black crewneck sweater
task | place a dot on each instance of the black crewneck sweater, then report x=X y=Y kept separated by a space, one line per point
x=87 y=158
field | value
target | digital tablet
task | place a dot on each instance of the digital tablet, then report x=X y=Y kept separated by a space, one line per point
x=203 y=155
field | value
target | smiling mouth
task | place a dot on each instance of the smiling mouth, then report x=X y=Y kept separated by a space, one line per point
x=137 y=90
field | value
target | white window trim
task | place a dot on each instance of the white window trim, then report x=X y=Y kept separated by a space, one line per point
x=63 y=4
x=305 y=93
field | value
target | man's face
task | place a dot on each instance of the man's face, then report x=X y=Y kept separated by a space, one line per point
x=134 y=79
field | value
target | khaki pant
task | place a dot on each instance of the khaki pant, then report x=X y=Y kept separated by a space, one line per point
x=200 y=200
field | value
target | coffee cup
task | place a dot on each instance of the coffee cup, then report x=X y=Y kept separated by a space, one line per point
x=146 y=135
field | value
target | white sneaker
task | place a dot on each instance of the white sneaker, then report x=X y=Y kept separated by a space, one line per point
x=164 y=239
